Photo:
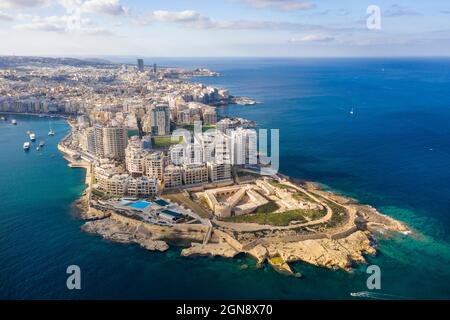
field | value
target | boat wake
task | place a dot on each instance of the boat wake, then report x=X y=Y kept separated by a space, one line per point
x=376 y=295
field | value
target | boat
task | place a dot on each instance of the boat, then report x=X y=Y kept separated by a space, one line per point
x=28 y=132
x=4 y=118
x=26 y=146
x=14 y=122
x=51 y=131
x=41 y=144
x=32 y=136
x=38 y=148
x=352 y=111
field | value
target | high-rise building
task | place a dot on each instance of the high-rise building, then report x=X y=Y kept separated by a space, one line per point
x=135 y=156
x=173 y=176
x=111 y=141
x=209 y=116
x=243 y=146
x=160 y=120
x=154 y=165
x=140 y=65
x=87 y=140
x=195 y=173
x=219 y=171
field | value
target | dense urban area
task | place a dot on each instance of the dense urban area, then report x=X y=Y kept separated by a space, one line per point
x=161 y=166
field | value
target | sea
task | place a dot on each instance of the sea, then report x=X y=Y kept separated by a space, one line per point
x=374 y=129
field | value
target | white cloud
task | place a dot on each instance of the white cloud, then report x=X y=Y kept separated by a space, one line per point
x=108 y=7
x=175 y=16
x=313 y=38
x=53 y=23
x=5 y=17
x=193 y=19
x=282 y=4
x=23 y=3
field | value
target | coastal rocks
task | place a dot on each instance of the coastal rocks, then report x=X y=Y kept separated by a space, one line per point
x=211 y=249
x=154 y=245
x=328 y=253
x=374 y=219
x=259 y=252
x=280 y=265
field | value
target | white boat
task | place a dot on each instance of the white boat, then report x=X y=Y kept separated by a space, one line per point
x=14 y=122
x=352 y=111
x=51 y=131
x=32 y=136
x=26 y=146
x=41 y=144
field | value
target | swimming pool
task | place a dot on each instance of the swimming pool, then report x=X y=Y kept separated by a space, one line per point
x=141 y=205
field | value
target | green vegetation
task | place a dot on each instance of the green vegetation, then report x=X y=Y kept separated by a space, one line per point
x=266 y=215
x=190 y=127
x=242 y=174
x=164 y=142
x=340 y=214
x=281 y=185
x=276 y=260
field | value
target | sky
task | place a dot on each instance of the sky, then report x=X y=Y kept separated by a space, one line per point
x=224 y=28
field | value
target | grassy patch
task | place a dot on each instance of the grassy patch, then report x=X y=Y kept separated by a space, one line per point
x=190 y=127
x=242 y=174
x=340 y=214
x=281 y=185
x=163 y=142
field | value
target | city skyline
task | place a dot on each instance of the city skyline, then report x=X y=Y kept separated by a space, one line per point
x=226 y=28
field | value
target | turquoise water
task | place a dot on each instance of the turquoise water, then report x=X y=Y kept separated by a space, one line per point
x=393 y=153
x=139 y=204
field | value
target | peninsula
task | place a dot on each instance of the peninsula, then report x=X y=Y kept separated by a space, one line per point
x=163 y=169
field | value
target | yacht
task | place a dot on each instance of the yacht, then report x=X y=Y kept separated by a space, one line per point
x=26 y=146
x=41 y=144
x=4 y=118
x=51 y=132
x=32 y=136
x=14 y=122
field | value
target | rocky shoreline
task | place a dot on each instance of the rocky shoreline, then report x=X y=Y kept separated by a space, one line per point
x=338 y=250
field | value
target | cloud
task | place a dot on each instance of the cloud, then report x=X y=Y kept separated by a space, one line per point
x=5 y=17
x=398 y=11
x=313 y=38
x=176 y=16
x=23 y=3
x=53 y=23
x=193 y=19
x=106 y=7
x=282 y=4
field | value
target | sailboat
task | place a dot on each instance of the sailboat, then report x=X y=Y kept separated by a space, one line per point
x=51 y=132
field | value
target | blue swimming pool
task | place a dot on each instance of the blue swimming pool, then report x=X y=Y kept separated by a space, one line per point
x=139 y=204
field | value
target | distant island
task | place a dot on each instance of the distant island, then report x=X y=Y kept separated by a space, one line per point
x=163 y=169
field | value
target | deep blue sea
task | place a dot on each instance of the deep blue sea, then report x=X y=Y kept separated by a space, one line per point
x=392 y=153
